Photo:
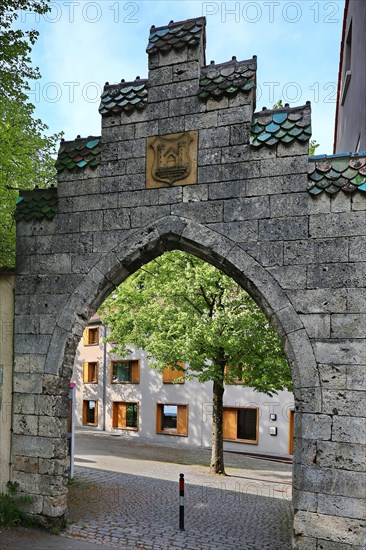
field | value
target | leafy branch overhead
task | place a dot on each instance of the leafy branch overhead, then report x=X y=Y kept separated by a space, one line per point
x=26 y=152
x=179 y=308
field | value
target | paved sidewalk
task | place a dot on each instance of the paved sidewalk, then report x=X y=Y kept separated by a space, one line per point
x=125 y=495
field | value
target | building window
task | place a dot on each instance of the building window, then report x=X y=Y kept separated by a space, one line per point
x=91 y=336
x=173 y=376
x=125 y=372
x=90 y=413
x=90 y=373
x=241 y=424
x=125 y=415
x=172 y=419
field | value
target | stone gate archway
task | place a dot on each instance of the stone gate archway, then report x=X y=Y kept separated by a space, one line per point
x=185 y=162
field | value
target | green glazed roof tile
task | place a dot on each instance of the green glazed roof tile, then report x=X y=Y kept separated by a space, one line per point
x=176 y=35
x=78 y=154
x=227 y=79
x=124 y=97
x=284 y=125
x=36 y=204
x=332 y=173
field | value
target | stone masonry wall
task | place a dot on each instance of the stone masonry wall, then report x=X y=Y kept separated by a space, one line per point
x=301 y=257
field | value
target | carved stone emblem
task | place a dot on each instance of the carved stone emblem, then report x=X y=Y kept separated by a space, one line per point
x=171 y=160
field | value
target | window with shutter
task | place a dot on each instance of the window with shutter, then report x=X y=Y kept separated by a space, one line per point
x=90 y=413
x=173 y=376
x=90 y=373
x=125 y=372
x=172 y=419
x=241 y=424
x=125 y=415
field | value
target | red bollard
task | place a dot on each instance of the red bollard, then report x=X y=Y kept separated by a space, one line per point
x=181 y=502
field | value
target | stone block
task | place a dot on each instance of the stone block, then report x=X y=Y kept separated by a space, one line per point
x=146 y=129
x=52 y=466
x=33 y=446
x=284 y=166
x=143 y=215
x=23 y=403
x=235 y=115
x=235 y=153
x=330 y=528
x=54 y=506
x=91 y=221
x=105 y=241
x=50 y=263
x=195 y=193
x=341 y=352
x=264 y=186
x=86 y=187
x=341 y=455
x=209 y=156
x=147 y=197
x=25 y=464
x=319 y=300
x=337 y=275
x=344 y=402
x=331 y=545
x=348 y=326
x=95 y=202
x=342 y=506
x=316 y=251
x=349 y=429
x=25 y=424
x=214 y=137
x=314 y=426
x=31 y=383
x=340 y=202
x=239 y=171
x=48 y=425
x=217 y=104
x=293 y=204
x=199 y=212
x=52 y=485
x=55 y=385
x=49 y=405
x=332 y=481
x=289 y=277
x=239 y=134
x=356 y=300
x=182 y=106
x=209 y=173
x=332 y=376
x=283 y=229
x=316 y=325
x=202 y=120
x=170 y=195
x=29 y=364
x=303 y=500
x=116 y=219
x=356 y=377
x=238 y=231
x=337 y=225
x=237 y=210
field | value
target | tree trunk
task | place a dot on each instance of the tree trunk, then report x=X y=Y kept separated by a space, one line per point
x=217 y=455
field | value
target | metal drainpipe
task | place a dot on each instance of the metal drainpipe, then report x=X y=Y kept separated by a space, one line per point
x=104 y=377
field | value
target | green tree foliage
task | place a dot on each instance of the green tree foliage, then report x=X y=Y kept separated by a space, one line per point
x=26 y=153
x=180 y=308
x=312 y=146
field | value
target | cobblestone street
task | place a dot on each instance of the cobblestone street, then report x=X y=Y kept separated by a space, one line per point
x=125 y=495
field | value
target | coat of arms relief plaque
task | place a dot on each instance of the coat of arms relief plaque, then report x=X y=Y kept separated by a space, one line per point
x=171 y=160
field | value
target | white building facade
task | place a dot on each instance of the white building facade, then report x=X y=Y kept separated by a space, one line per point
x=126 y=396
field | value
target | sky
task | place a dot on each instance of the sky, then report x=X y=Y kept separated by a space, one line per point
x=83 y=44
